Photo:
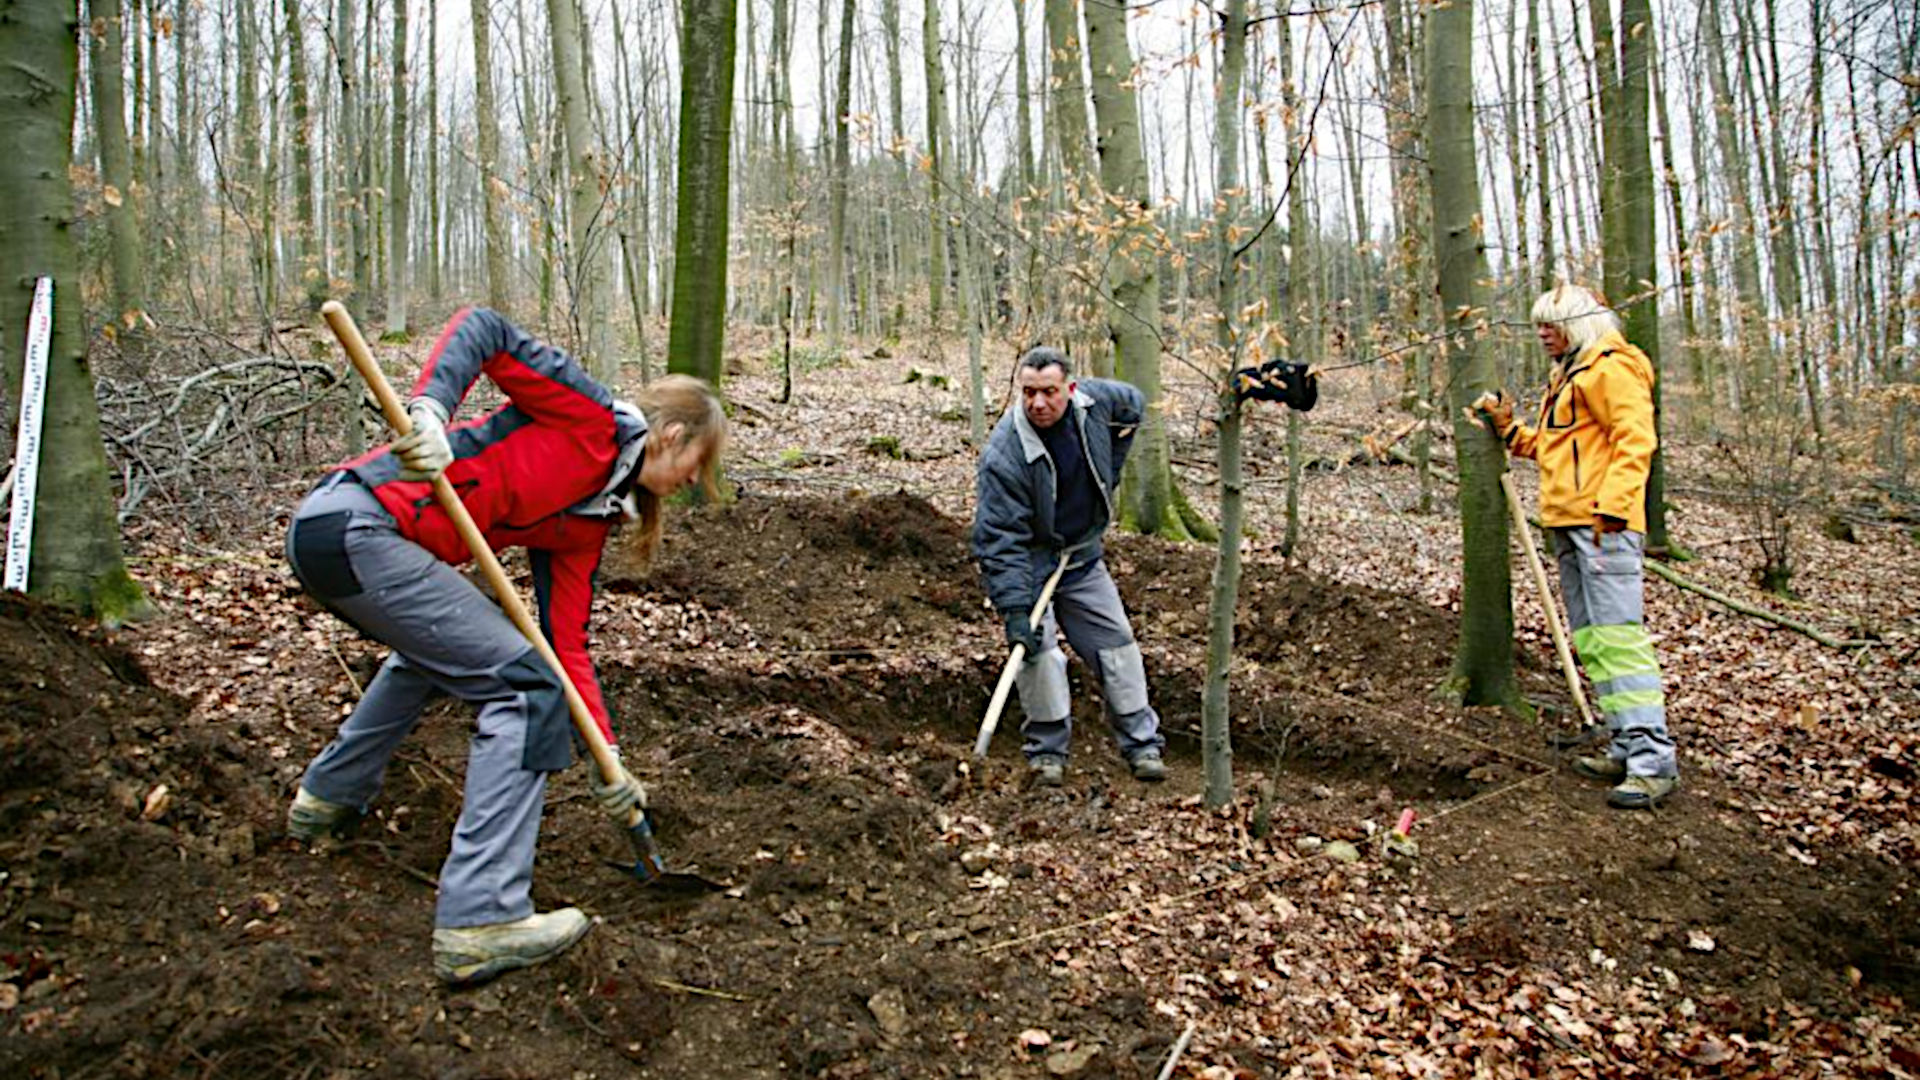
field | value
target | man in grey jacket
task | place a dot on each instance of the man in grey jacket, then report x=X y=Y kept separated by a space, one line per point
x=1046 y=489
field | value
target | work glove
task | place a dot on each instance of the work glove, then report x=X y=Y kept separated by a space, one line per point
x=1295 y=385
x=1605 y=523
x=425 y=452
x=1493 y=411
x=1020 y=632
x=620 y=796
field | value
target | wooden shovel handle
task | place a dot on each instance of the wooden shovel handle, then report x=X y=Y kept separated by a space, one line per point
x=1007 y=674
x=340 y=321
x=1539 y=574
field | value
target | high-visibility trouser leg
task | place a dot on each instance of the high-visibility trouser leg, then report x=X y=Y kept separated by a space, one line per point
x=1602 y=582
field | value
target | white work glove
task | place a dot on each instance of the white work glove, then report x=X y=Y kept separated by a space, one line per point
x=620 y=796
x=425 y=453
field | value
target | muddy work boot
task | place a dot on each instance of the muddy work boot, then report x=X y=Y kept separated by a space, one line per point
x=312 y=818
x=1148 y=767
x=1642 y=792
x=1601 y=767
x=472 y=954
x=1048 y=770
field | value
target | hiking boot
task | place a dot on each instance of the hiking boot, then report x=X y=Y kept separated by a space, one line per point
x=1048 y=770
x=1147 y=766
x=1642 y=792
x=1602 y=767
x=311 y=817
x=1579 y=737
x=471 y=954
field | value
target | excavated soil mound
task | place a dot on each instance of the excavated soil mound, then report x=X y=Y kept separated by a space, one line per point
x=845 y=574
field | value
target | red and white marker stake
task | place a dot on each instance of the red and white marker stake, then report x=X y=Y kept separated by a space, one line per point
x=33 y=393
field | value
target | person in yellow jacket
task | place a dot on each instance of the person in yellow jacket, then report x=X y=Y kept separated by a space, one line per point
x=1594 y=444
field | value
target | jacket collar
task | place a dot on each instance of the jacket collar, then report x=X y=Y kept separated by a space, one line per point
x=1610 y=341
x=630 y=431
x=1030 y=443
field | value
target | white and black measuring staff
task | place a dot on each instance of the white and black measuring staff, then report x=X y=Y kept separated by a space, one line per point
x=33 y=393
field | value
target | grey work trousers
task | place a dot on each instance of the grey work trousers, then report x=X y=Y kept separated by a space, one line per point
x=446 y=638
x=1602 y=580
x=1086 y=607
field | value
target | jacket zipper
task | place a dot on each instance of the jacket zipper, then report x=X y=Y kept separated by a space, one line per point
x=1086 y=451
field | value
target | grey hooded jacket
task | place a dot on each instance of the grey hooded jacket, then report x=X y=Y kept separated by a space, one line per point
x=1013 y=520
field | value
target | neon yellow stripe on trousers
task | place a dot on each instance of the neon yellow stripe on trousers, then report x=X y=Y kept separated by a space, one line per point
x=1612 y=652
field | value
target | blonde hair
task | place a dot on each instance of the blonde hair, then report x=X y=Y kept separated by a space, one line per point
x=692 y=404
x=1581 y=313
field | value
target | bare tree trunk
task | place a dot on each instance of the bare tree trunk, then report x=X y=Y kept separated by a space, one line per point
x=1817 y=208
x=140 y=55
x=936 y=124
x=186 y=181
x=1750 y=308
x=76 y=558
x=1542 y=174
x=486 y=121
x=399 y=258
x=352 y=156
x=435 y=195
x=1614 y=279
x=1066 y=48
x=123 y=232
x=1301 y=320
x=697 y=337
x=1683 y=241
x=1150 y=502
x=1483 y=661
x=837 y=212
x=1023 y=86
x=243 y=173
x=587 y=249
x=313 y=275
x=1640 y=258
x=1216 y=732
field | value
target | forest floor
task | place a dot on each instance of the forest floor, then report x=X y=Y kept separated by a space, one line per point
x=799 y=682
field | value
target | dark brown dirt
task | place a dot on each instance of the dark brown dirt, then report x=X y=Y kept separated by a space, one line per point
x=824 y=789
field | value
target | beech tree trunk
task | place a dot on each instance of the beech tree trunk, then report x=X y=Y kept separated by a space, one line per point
x=698 y=334
x=76 y=558
x=1150 y=503
x=1483 y=662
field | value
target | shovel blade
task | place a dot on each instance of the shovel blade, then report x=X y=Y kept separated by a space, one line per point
x=651 y=869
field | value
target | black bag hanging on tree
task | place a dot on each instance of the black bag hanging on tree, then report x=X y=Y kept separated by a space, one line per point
x=1295 y=385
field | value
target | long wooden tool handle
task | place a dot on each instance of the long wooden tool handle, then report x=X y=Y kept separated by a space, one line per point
x=1554 y=626
x=341 y=322
x=1012 y=670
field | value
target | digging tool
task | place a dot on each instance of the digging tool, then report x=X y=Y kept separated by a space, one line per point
x=1554 y=625
x=648 y=865
x=1019 y=653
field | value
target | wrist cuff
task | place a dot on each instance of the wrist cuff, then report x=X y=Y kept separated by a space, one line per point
x=431 y=405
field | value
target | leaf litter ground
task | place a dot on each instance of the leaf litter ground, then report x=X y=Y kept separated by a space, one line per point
x=799 y=681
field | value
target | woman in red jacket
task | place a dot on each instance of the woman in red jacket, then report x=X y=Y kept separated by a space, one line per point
x=556 y=470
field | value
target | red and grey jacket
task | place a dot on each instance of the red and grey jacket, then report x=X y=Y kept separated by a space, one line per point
x=543 y=472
